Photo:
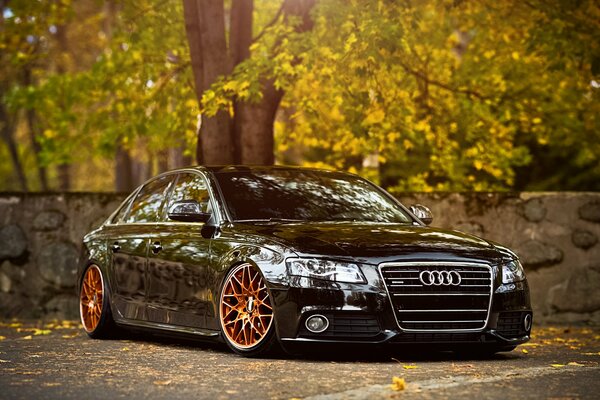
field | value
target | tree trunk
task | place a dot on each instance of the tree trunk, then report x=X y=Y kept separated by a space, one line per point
x=7 y=136
x=205 y=28
x=255 y=125
x=254 y=121
x=33 y=134
x=123 y=171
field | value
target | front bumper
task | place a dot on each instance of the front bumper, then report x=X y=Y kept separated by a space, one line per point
x=363 y=314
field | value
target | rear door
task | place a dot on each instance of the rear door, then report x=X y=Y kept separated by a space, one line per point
x=179 y=274
x=129 y=243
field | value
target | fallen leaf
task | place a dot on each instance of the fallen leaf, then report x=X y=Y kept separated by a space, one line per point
x=576 y=364
x=410 y=367
x=591 y=354
x=70 y=336
x=558 y=365
x=524 y=351
x=398 y=384
x=15 y=325
x=162 y=383
x=37 y=332
x=2 y=337
x=125 y=349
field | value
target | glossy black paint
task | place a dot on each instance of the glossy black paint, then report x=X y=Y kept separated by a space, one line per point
x=166 y=275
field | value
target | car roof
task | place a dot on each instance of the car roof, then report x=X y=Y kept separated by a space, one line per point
x=250 y=168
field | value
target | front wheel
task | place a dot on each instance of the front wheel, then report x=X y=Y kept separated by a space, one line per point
x=94 y=308
x=246 y=312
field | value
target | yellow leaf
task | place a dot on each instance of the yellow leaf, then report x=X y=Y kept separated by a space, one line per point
x=537 y=120
x=28 y=337
x=558 y=365
x=350 y=41
x=410 y=367
x=374 y=117
x=191 y=103
x=37 y=332
x=515 y=55
x=50 y=134
x=398 y=384
x=125 y=349
x=576 y=364
x=2 y=337
x=71 y=336
x=162 y=383
x=524 y=351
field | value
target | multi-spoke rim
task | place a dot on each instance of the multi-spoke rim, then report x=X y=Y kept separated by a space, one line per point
x=91 y=298
x=246 y=311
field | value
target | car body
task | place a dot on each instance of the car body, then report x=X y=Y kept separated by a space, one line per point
x=265 y=256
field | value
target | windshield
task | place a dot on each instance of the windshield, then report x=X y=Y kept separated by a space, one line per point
x=305 y=195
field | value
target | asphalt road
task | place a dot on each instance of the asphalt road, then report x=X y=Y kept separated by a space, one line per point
x=58 y=361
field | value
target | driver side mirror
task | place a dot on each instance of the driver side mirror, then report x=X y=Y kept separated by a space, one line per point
x=422 y=212
x=188 y=211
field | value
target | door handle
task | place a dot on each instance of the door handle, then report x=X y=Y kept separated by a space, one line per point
x=115 y=247
x=156 y=247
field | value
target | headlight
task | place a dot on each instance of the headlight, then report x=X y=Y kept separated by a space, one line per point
x=324 y=269
x=512 y=272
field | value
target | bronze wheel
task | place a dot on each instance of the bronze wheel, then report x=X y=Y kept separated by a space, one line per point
x=245 y=308
x=91 y=299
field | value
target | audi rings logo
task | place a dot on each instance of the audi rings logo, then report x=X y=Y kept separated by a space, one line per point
x=440 y=278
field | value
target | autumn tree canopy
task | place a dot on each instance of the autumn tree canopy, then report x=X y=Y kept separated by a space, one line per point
x=422 y=95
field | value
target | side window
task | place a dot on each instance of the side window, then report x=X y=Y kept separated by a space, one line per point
x=147 y=204
x=190 y=187
x=121 y=214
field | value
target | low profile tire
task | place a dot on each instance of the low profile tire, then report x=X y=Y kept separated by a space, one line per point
x=246 y=312
x=94 y=306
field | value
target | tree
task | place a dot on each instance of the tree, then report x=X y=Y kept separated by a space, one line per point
x=242 y=133
x=434 y=95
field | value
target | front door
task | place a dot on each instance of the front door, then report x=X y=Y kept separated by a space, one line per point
x=179 y=274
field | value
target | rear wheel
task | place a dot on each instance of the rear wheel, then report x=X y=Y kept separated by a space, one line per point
x=94 y=308
x=246 y=312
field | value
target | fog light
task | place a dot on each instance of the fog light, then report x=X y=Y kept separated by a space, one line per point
x=527 y=322
x=317 y=323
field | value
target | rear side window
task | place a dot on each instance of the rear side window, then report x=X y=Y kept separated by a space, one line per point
x=190 y=187
x=148 y=203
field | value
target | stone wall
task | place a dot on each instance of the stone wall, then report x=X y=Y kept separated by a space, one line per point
x=555 y=234
x=40 y=237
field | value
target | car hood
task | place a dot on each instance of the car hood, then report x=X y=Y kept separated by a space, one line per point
x=368 y=242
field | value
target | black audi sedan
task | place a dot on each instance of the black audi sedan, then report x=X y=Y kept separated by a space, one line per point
x=270 y=257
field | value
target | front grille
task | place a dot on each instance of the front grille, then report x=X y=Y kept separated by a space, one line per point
x=419 y=307
x=347 y=326
x=510 y=324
